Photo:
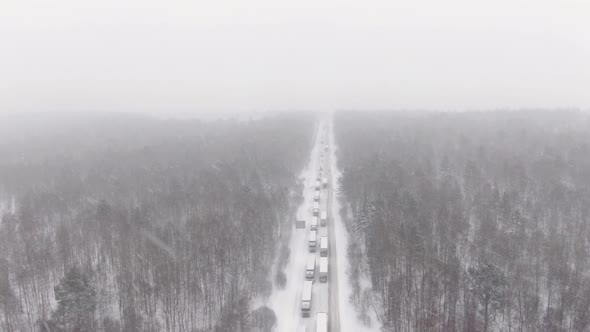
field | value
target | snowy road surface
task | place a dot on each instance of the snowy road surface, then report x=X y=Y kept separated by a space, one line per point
x=330 y=297
x=286 y=303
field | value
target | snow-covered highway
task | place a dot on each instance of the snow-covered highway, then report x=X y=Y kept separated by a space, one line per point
x=330 y=297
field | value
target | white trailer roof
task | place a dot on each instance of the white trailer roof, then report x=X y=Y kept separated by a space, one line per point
x=324 y=242
x=313 y=236
x=322 y=322
x=323 y=264
x=306 y=295
x=314 y=223
x=324 y=215
x=310 y=262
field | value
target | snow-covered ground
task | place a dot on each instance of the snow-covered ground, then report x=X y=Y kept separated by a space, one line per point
x=347 y=313
x=286 y=302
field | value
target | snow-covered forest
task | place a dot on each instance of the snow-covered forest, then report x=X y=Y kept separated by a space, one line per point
x=470 y=221
x=130 y=223
x=466 y=221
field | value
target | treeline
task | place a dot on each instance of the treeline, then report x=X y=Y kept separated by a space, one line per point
x=129 y=223
x=471 y=221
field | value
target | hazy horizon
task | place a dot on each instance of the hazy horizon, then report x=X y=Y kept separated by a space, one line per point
x=190 y=58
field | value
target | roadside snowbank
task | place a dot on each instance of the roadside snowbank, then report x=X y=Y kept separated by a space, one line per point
x=348 y=316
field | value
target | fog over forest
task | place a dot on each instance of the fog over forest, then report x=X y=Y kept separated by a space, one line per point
x=295 y=166
x=463 y=221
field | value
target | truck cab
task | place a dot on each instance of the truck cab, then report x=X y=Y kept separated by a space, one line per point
x=316 y=208
x=316 y=196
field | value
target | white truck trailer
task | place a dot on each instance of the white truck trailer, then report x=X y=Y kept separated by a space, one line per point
x=324 y=246
x=321 y=322
x=312 y=241
x=313 y=225
x=324 y=218
x=306 y=298
x=316 y=208
x=310 y=268
x=323 y=269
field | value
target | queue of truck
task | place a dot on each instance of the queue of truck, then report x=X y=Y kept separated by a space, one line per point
x=310 y=273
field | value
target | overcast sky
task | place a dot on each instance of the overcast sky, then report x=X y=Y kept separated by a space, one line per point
x=221 y=55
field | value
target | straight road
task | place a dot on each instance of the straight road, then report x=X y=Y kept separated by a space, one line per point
x=334 y=313
x=326 y=295
x=286 y=302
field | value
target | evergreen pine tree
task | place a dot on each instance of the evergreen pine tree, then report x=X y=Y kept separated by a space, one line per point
x=76 y=299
